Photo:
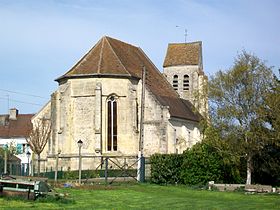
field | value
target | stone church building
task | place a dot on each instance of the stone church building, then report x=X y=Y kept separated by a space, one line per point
x=99 y=102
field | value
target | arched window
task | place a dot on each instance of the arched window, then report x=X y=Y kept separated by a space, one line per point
x=112 y=124
x=175 y=82
x=186 y=82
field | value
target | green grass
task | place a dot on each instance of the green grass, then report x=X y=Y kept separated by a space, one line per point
x=147 y=196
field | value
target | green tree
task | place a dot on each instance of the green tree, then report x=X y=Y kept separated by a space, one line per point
x=232 y=170
x=1 y=160
x=235 y=97
x=270 y=111
x=7 y=152
x=267 y=161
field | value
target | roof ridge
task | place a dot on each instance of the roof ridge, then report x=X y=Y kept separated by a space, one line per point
x=185 y=43
x=100 y=55
x=106 y=38
x=114 y=39
x=79 y=62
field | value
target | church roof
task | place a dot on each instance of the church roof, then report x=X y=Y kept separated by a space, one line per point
x=183 y=54
x=19 y=127
x=109 y=57
x=112 y=57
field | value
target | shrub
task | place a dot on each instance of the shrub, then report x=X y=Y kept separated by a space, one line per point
x=196 y=166
x=201 y=164
x=166 y=168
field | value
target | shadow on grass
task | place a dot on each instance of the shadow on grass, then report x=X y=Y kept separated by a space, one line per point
x=42 y=199
x=55 y=199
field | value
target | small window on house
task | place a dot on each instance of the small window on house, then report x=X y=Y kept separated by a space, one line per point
x=186 y=82
x=112 y=124
x=175 y=82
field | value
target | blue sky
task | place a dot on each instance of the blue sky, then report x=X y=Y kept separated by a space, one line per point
x=41 y=39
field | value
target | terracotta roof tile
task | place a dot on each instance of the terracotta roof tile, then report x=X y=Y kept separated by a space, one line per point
x=183 y=54
x=113 y=57
x=15 y=128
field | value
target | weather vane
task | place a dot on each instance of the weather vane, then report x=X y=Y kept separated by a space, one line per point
x=186 y=33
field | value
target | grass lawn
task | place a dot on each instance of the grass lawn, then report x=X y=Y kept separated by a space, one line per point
x=147 y=196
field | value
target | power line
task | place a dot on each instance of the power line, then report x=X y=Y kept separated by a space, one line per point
x=20 y=93
x=23 y=102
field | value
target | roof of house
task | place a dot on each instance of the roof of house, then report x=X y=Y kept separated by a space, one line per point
x=183 y=54
x=112 y=57
x=15 y=128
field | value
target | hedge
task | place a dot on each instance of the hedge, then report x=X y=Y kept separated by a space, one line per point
x=200 y=165
x=166 y=168
x=195 y=166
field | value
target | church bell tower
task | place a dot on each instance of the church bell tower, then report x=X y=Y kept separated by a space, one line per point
x=183 y=69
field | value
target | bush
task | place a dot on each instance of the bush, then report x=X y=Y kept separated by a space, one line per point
x=201 y=164
x=267 y=166
x=196 y=166
x=166 y=168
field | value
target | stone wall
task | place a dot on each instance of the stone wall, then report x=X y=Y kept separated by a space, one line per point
x=82 y=114
x=180 y=71
x=79 y=111
x=197 y=92
x=183 y=134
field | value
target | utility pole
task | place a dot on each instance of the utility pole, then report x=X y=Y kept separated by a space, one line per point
x=142 y=110
x=141 y=160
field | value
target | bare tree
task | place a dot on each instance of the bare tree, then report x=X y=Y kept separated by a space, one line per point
x=39 y=136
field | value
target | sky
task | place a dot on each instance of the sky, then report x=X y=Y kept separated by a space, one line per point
x=42 y=39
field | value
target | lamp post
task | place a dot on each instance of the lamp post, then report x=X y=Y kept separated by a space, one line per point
x=80 y=144
x=5 y=160
x=56 y=165
x=28 y=156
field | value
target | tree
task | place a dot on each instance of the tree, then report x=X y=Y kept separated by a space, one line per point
x=270 y=111
x=235 y=97
x=6 y=154
x=39 y=136
x=268 y=161
x=232 y=170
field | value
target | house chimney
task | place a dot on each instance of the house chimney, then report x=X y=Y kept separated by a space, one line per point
x=13 y=114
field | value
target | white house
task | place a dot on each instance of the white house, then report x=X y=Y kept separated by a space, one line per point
x=14 y=128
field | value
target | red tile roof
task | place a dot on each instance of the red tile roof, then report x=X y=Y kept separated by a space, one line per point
x=111 y=57
x=15 y=128
x=183 y=54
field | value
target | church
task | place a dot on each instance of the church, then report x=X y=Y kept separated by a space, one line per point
x=117 y=102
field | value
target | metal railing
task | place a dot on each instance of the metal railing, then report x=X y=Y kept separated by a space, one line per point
x=106 y=169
